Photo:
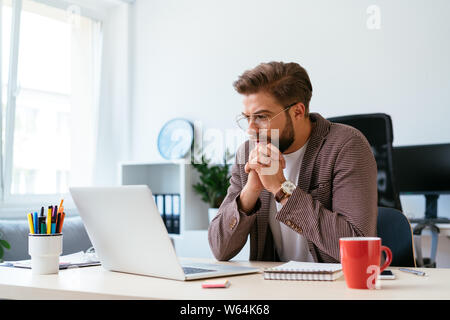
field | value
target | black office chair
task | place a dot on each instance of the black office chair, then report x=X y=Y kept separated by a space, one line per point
x=395 y=232
x=377 y=128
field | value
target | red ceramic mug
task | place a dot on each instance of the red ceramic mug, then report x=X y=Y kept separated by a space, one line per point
x=360 y=259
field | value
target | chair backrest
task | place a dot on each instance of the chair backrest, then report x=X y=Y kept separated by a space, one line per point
x=395 y=232
x=377 y=128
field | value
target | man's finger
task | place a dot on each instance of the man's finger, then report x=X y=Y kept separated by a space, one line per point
x=253 y=154
x=263 y=159
x=268 y=150
x=273 y=151
x=263 y=149
x=247 y=168
x=259 y=159
x=253 y=166
x=253 y=159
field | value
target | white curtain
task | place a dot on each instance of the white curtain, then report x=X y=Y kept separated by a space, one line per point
x=113 y=133
x=85 y=56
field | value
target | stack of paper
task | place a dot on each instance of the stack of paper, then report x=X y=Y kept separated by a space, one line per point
x=79 y=259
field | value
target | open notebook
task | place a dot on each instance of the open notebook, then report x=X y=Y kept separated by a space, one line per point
x=294 y=270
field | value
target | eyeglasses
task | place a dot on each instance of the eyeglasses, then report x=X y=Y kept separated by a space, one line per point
x=262 y=121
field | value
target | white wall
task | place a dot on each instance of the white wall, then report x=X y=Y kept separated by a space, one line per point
x=186 y=55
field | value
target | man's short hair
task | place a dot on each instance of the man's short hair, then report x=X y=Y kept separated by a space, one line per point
x=287 y=82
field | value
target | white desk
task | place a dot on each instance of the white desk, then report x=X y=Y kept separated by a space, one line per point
x=97 y=283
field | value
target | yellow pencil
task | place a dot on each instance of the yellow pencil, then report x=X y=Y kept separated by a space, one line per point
x=49 y=220
x=30 y=223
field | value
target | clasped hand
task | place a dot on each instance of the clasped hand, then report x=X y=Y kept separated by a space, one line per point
x=265 y=168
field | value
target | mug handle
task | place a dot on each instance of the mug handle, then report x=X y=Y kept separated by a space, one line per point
x=388 y=258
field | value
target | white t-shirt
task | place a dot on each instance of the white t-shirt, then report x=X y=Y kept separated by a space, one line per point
x=290 y=245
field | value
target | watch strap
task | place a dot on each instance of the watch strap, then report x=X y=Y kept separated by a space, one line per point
x=280 y=195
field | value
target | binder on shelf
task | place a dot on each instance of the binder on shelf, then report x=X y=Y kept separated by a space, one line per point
x=294 y=270
x=169 y=207
x=160 y=205
x=168 y=212
x=176 y=213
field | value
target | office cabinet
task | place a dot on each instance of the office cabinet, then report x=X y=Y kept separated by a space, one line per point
x=170 y=178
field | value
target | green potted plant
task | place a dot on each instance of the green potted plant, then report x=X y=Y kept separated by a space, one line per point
x=3 y=244
x=214 y=181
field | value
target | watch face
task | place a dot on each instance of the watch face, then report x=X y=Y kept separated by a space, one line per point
x=288 y=187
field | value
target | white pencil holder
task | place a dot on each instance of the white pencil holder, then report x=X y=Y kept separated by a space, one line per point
x=45 y=250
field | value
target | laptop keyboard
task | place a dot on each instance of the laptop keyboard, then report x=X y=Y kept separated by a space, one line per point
x=191 y=270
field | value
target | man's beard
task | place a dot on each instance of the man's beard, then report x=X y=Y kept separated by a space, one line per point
x=286 y=138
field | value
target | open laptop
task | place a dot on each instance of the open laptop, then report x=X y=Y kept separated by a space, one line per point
x=129 y=235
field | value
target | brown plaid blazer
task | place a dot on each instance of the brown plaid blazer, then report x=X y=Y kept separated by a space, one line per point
x=336 y=196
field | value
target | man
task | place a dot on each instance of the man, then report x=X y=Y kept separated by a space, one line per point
x=300 y=183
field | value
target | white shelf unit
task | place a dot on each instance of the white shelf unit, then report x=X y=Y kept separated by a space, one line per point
x=170 y=177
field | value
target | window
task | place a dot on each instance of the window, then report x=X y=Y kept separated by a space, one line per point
x=50 y=75
x=5 y=46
